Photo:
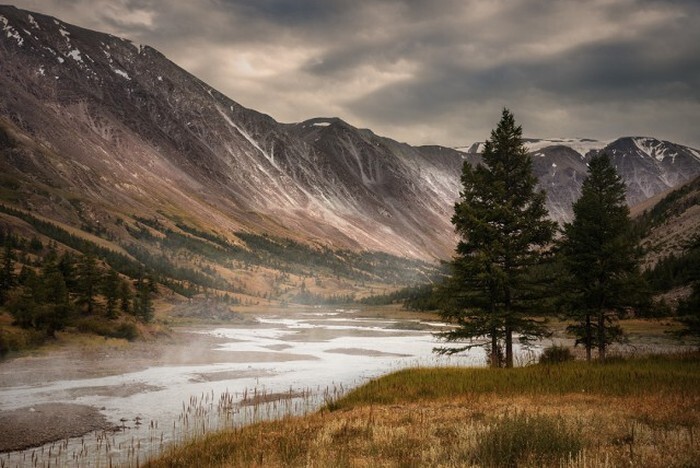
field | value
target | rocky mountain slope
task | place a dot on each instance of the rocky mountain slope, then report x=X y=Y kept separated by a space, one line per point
x=109 y=129
x=98 y=133
x=647 y=165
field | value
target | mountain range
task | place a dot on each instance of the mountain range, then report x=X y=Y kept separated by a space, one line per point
x=97 y=133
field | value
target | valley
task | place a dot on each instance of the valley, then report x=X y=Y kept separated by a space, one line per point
x=175 y=264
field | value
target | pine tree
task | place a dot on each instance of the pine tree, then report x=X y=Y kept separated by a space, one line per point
x=501 y=220
x=600 y=256
x=125 y=298
x=110 y=289
x=66 y=264
x=55 y=306
x=689 y=314
x=689 y=309
x=7 y=273
x=88 y=282
x=143 y=304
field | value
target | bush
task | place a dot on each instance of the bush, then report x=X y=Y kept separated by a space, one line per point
x=126 y=331
x=556 y=354
x=526 y=440
x=123 y=330
x=4 y=345
x=12 y=340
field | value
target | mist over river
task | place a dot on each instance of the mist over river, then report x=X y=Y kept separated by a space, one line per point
x=284 y=361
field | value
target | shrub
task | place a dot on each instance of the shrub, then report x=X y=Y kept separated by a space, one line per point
x=4 y=345
x=13 y=340
x=526 y=440
x=556 y=354
x=127 y=331
x=123 y=330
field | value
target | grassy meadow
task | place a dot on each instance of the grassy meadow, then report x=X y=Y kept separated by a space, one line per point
x=640 y=411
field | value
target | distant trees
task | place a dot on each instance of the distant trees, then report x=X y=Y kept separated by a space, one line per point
x=52 y=292
x=501 y=219
x=7 y=272
x=89 y=278
x=143 y=302
x=689 y=309
x=600 y=257
x=689 y=314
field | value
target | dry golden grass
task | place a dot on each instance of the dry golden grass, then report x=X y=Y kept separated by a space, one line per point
x=612 y=432
x=655 y=427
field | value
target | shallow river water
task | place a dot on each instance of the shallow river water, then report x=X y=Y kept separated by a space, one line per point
x=278 y=363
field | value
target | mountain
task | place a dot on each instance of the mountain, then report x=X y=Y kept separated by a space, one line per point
x=110 y=137
x=647 y=165
x=669 y=227
x=97 y=128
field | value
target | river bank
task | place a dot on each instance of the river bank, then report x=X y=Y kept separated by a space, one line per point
x=640 y=411
x=284 y=359
x=275 y=362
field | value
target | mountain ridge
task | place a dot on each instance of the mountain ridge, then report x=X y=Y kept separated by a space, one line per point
x=104 y=129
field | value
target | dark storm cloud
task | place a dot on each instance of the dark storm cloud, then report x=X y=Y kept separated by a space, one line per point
x=290 y=12
x=433 y=72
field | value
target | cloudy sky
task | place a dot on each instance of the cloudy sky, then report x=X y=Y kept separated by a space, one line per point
x=432 y=71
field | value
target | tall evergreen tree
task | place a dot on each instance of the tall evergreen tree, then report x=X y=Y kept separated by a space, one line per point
x=601 y=257
x=689 y=309
x=143 y=303
x=110 y=289
x=125 y=298
x=501 y=219
x=88 y=281
x=689 y=314
x=7 y=272
x=55 y=307
x=67 y=265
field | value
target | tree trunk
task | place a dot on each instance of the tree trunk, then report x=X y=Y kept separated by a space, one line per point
x=509 y=347
x=589 y=338
x=495 y=355
x=601 y=335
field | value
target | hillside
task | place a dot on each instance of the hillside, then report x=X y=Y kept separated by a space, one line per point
x=671 y=222
x=95 y=127
x=124 y=153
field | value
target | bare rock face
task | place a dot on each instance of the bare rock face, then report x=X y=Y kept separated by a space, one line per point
x=109 y=125
x=94 y=128
x=648 y=167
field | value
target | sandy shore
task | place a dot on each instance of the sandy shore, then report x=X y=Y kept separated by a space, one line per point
x=40 y=424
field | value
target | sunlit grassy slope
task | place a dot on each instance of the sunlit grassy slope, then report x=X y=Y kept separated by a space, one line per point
x=635 y=412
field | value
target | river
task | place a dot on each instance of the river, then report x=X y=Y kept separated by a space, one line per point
x=277 y=363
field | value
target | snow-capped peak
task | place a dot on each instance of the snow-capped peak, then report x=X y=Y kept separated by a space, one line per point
x=654 y=148
x=581 y=145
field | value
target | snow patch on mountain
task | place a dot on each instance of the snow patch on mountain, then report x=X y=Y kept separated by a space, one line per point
x=473 y=148
x=121 y=73
x=75 y=55
x=10 y=31
x=654 y=148
x=581 y=145
x=244 y=134
x=33 y=22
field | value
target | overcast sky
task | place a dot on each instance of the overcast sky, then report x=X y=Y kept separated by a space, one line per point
x=432 y=71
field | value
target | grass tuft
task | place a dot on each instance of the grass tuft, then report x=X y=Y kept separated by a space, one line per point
x=522 y=439
x=556 y=355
